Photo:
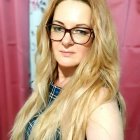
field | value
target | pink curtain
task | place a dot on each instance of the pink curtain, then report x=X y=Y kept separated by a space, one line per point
x=126 y=14
x=14 y=60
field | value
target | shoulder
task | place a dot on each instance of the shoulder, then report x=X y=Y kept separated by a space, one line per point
x=105 y=122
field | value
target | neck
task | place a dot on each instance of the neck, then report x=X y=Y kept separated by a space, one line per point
x=64 y=75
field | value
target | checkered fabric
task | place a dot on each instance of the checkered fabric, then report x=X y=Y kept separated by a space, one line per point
x=53 y=93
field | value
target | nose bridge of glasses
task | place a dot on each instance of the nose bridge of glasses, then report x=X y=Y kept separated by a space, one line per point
x=69 y=32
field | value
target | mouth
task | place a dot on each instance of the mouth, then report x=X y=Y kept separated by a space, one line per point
x=66 y=53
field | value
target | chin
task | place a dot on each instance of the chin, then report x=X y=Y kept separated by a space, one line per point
x=67 y=65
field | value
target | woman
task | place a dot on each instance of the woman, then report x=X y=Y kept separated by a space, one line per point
x=77 y=73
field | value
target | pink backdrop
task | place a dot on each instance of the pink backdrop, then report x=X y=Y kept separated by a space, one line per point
x=126 y=14
x=14 y=60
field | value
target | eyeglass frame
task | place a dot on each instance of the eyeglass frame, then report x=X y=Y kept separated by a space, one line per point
x=69 y=31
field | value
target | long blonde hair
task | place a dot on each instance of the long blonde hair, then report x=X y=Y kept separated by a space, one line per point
x=70 y=111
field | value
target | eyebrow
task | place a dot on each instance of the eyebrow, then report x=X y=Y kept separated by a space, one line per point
x=77 y=25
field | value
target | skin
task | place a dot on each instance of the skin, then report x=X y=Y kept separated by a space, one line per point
x=105 y=122
x=68 y=54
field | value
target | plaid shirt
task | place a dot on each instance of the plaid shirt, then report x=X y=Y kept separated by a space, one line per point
x=53 y=93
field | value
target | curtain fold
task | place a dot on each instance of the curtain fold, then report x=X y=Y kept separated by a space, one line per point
x=14 y=61
x=126 y=14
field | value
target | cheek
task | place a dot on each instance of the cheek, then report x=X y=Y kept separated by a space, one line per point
x=83 y=52
x=55 y=46
x=85 y=49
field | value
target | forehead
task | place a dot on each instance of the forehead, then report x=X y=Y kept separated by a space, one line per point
x=73 y=12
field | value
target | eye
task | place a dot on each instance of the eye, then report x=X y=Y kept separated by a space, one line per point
x=57 y=28
x=81 y=31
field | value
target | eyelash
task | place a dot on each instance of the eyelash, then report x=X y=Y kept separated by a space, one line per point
x=79 y=29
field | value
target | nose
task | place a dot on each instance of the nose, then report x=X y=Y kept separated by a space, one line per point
x=67 y=40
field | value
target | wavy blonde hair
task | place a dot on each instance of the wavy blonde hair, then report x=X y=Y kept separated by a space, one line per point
x=72 y=108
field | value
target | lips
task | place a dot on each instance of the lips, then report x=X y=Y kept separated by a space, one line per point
x=66 y=53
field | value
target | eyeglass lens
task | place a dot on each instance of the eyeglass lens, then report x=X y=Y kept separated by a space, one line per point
x=79 y=35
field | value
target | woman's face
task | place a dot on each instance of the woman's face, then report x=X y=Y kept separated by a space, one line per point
x=70 y=14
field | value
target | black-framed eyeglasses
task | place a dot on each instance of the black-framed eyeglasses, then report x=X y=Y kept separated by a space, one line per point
x=79 y=35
